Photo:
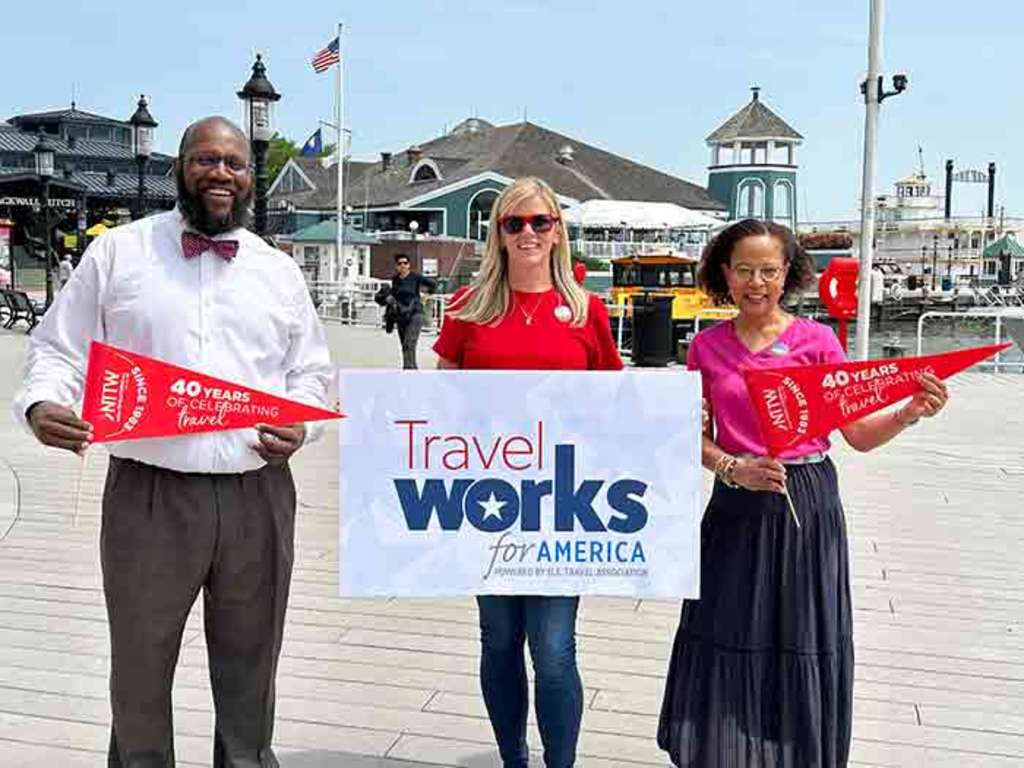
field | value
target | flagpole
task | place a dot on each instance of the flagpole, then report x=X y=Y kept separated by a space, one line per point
x=338 y=116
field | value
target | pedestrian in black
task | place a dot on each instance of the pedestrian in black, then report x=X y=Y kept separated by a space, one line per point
x=406 y=286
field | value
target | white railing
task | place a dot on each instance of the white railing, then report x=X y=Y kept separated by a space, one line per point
x=616 y=249
x=997 y=315
x=353 y=304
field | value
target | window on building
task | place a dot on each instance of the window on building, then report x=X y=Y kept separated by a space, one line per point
x=480 y=213
x=724 y=155
x=760 y=153
x=990 y=267
x=975 y=239
x=782 y=154
x=425 y=173
x=100 y=133
x=750 y=202
x=782 y=202
x=76 y=132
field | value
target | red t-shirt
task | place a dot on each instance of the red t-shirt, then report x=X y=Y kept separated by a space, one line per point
x=544 y=343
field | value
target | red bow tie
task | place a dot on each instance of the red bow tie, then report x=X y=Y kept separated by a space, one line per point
x=192 y=245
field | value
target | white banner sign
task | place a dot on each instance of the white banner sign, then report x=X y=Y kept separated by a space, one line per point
x=540 y=483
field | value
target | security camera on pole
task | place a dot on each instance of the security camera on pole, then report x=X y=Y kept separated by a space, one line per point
x=874 y=92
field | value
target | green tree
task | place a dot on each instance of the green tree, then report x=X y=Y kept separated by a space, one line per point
x=281 y=150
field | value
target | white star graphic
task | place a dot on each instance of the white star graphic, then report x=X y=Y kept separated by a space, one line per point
x=491 y=507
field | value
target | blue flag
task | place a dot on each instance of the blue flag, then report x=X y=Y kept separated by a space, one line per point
x=314 y=145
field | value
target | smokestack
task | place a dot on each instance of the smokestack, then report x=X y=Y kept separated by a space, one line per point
x=991 y=190
x=949 y=188
x=385 y=160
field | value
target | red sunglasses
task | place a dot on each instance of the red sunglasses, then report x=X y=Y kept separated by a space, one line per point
x=539 y=222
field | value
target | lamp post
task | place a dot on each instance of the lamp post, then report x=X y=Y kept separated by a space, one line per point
x=874 y=93
x=44 y=157
x=142 y=146
x=259 y=95
x=414 y=227
x=935 y=257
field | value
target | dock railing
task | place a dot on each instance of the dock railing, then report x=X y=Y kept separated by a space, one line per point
x=997 y=316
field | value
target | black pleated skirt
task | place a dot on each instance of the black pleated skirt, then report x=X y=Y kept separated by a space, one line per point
x=761 y=674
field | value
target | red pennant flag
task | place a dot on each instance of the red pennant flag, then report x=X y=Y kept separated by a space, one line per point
x=799 y=403
x=128 y=396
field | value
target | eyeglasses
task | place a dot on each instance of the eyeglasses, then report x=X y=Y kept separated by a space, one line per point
x=768 y=274
x=402 y=263
x=539 y=222
x=209 y=161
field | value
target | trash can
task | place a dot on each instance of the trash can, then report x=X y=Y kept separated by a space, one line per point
x=652 y=331
x=894 y=349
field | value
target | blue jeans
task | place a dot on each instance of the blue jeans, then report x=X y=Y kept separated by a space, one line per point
x=549 y=624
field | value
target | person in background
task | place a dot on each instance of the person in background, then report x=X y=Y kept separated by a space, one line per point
x=761 y=672
x=65 y=269
x=525 y=311
x=406 y=286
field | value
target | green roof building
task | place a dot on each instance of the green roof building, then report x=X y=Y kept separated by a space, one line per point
x=753 y=164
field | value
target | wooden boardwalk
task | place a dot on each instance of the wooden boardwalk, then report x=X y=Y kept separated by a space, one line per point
x=937 y=537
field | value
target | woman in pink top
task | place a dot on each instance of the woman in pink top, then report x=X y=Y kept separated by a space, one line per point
x=761 y=672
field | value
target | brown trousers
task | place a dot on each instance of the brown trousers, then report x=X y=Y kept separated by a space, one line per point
x=165 y=536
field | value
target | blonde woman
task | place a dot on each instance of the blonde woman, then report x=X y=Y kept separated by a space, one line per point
x=525 y=311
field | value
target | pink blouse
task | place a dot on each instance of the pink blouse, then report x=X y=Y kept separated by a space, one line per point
x=720 y=356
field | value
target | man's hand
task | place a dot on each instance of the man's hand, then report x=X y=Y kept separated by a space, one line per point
x=59 y=427
x=277 y=444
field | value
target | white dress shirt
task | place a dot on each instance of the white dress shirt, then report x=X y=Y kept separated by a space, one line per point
x=249 y=321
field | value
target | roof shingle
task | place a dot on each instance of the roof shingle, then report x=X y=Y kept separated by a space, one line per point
x=754 y=121
x=514 y=150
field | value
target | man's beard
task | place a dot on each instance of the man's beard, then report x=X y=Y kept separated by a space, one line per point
x=195 y=213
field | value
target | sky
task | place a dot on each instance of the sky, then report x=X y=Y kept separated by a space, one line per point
x=646 y=79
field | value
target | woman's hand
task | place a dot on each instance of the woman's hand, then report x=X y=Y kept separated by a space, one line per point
x=760 y=474
x=927 y=401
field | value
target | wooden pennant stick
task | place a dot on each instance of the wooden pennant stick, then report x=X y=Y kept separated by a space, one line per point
x=792 y=509
x=78 y=490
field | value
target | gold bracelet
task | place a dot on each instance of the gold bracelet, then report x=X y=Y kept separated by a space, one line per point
x=727 y=473
x=720 y=464
x=724 y=468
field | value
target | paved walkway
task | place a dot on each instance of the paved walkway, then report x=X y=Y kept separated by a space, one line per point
x=937 y=535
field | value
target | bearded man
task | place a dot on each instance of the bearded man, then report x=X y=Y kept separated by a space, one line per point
x=210 y=512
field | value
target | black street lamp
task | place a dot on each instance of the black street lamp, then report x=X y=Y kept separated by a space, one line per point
x=259 y=96
x=44 y=157
x=142 y=146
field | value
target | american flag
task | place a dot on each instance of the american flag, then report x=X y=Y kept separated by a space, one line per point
x=327 y=57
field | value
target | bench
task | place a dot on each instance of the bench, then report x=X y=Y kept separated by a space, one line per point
x=16 y=305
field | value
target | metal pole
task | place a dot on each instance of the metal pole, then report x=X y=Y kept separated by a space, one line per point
x=81 y=225
x=14 y=266
x=867 y=202
x=339 y=244
x=140 y=202
x=991 y=191
x=45 y=200
x=949 y=189
x=260 y=204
